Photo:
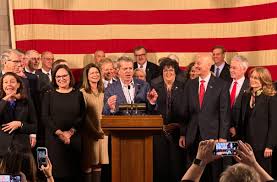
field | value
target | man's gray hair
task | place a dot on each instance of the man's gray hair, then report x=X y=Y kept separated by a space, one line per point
x=124 y=59
x=243 y=61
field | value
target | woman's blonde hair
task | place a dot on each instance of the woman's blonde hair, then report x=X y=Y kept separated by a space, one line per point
x=240 y=173
x=265 y=79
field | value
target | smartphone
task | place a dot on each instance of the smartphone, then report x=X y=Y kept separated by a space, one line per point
x=41 y=156
x=10 y=178
x=226 y=148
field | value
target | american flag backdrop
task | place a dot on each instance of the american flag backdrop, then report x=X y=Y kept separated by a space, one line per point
x=74 y=29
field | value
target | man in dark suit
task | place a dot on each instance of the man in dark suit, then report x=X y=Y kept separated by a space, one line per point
x=151 y=69
x=220 y=67
x=206 y=112
x=238 y=86
x=44 y=74
x=127 y=90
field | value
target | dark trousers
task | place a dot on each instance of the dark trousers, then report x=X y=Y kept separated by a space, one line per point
x=168 y=159
x=266 y=163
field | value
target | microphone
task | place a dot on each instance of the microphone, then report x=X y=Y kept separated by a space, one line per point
x=129 y=88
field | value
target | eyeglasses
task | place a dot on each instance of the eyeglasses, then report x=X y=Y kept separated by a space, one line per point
x=61 y=76
x=137 y=55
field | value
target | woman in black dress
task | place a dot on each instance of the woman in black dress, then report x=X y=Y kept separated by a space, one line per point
x=168 y=156
x=17 y=113
x=259 y=116
x=63 y=111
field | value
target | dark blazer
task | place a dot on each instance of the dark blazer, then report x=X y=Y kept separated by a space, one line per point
x=141 y=89
x=44 y=83
x=260 y=125
x=225 y=73
x=213 y=119
x=24 y=111
x=34 y=88
x=152 y=70
x=236 y=109
x=176 y=103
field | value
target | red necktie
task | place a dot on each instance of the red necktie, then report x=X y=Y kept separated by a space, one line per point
x=141 y=66
x=233 y=94
x=201 y=92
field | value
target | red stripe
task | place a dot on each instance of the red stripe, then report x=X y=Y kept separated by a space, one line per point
x=254 y=43
x=223 y=15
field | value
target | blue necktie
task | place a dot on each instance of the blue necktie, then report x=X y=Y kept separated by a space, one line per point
x=217 y=72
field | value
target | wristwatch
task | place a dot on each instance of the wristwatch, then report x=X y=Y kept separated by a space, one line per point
x=198 y=162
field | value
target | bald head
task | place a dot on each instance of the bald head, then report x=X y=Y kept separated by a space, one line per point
x=203 y=64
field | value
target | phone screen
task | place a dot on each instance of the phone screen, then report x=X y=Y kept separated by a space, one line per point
x=10 y=178
x=226 y=148
x=41 y=156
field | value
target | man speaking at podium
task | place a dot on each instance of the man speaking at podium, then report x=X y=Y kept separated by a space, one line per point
x=128 y=90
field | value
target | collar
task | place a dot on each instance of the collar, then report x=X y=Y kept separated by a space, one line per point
x=239 y=81
x=144 y=65
x=207 y=78
x=28 y=71
x=45 y=72
x=132 y=83
x=220 y=67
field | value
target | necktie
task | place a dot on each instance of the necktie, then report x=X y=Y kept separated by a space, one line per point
x=49 y=76
x=233 y=94
x=201 y=92
x=141 y=66
x=217 y=72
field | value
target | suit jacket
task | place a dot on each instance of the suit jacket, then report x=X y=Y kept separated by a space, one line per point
x=236 y=109
x=152 y=70
x=212 y=121
x=141 y=89
x=44 y=82
x=24 y=111
x=176 y=103
x=259 y=125
x=225 y=73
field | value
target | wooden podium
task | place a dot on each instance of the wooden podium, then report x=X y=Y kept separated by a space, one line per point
x=132 y=146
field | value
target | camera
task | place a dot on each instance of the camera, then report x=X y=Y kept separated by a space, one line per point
x=10 y=178
x=42 y=156
x=226 y=148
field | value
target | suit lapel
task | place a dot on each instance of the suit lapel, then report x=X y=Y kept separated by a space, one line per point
x=243 y=89
x=120 y=92
x=209 y=90
x=195 y=93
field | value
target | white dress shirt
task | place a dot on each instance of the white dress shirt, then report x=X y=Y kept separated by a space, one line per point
x=239 y=85
x=129 y=93
x=143 y=66
x=220 y=68
x=47 y=73
x=206 y=79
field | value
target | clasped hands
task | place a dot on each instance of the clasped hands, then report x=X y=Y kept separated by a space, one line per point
x=65 y=136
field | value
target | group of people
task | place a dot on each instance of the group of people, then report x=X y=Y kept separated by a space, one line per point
x=43 y=106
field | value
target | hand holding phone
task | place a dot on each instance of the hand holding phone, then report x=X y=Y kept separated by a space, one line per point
x=226 y=148
x=42 y=156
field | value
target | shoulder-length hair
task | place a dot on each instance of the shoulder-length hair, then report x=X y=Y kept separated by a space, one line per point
x=86 y=84
x=265 y=78
x=60 y=66
x=20 y=90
